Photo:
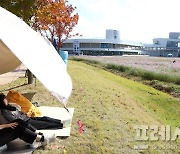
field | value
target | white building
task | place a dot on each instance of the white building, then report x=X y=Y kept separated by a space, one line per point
x=113 y=45
x=164 y=46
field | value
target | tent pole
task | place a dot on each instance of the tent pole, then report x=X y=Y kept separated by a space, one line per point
x=30 y=77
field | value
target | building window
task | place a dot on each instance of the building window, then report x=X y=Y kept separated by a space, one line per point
x=114 y=46
x=105 y=45
x=157 y=42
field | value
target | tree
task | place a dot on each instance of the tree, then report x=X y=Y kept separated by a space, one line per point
x=55 y=19
x=22 y=8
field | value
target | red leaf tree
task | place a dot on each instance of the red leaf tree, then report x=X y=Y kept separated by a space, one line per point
x=56 y=19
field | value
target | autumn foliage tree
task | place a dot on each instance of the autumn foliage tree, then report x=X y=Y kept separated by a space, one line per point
x=56 y=19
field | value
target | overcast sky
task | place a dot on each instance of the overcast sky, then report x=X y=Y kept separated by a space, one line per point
x=137 y=20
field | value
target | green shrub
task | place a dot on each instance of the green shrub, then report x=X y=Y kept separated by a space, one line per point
x=120 y=68
x=160 y=77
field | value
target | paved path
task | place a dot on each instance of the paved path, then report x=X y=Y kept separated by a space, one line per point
x=11 y=76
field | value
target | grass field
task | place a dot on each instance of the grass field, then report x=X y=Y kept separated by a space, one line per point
x=110 y=107
x=169 y=83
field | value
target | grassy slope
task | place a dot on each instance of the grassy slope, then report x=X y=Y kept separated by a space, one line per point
x=110 y=107
x=163 y=82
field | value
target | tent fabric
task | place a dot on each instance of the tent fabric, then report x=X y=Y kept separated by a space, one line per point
x=36 y=53
x=8 y=61
x=26 y=106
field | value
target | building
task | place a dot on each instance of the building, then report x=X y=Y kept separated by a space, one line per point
x=113 y=45
x=165 y=47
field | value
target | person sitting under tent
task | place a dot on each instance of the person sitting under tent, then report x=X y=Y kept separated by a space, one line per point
x=20 y=129
x=11 y=113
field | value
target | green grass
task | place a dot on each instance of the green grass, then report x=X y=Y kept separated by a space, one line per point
x=163 y=82
x=110 y=106
x=144 y=74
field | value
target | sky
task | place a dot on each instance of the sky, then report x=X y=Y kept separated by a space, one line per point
x=136 y=20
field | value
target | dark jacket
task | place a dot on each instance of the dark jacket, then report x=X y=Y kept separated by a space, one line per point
x=13 y=115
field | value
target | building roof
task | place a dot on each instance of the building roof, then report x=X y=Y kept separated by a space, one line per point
x=112 y=41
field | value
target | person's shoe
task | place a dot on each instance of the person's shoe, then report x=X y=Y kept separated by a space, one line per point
x=66 y=123
x=48 y=139
x=39 y=133
x=36 y=145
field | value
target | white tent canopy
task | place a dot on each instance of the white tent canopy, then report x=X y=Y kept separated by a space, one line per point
x=19 y=43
